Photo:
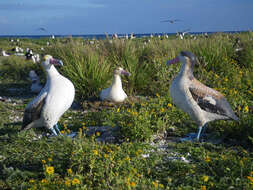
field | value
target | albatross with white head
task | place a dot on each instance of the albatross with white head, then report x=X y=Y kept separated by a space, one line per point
x=53 y=100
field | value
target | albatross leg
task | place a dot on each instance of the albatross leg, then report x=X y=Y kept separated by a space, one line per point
x=53 y=131
x=201 y=131
x=57 y=129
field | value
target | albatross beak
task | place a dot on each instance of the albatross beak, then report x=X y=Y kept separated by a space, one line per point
x=125 y=73
x=56 y=62
x=173 y=61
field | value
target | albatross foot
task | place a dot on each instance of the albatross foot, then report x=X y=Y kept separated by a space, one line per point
x=189 y=137
x=71 y=135
x=192 y=137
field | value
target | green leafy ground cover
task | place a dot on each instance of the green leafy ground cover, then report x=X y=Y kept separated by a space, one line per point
x=224 y=161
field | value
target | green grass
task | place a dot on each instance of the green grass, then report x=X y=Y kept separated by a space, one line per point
x=27 y=162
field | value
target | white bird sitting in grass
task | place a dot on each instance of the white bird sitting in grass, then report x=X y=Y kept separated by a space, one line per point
x=203 y=104
x=36 y=85
x=5 y=54
x=115 y=93
x=53 y=100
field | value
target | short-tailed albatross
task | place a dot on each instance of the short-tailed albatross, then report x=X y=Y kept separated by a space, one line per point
x=53 y=100
x=203 y=104
x=115 y=92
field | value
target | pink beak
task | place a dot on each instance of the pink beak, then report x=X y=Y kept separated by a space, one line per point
x=125 y=73
x=173 y=61
x=56 y=62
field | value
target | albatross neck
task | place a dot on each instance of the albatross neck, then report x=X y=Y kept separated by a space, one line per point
x=52 y=71
x=117 y=81
x=186 y=70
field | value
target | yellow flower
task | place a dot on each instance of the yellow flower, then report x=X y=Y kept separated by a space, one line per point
x=161 y=186
x=134 y=113
x=98 y=133
x=69 y=171
x=83 y=124
x=50 y=169
x=162 y=110
x=132 y=184
x=50 y=159
x=31 y=181
x=226 y=79
x=75 y=181
x=68 y=131
x=157 y=95
x=205 y=178
x=250 y=179
x=62 y=131
x=203 y=187
x=95 y=152
x=155 y=184
x=127 y=158
x=118 y=109
x=67 y=182
x=43 y=181
x=43 y=161
x=251 y=173
x=207 y=159
x=169 y=105
x=246 y=109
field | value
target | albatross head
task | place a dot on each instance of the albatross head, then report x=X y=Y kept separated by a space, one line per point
x=119 y=71
x=185 y=57
x=48 y=61
x=188 y=59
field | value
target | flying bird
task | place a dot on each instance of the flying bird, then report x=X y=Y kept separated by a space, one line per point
x=171 y=21
x=53 y=100
x=42 y=29
x=203 y=104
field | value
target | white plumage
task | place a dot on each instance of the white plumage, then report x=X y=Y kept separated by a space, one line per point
x=115 y=92
x=53 y=100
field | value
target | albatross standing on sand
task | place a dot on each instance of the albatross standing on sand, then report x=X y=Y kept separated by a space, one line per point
x=53 y=100
x=115 y=93
x=202 y=103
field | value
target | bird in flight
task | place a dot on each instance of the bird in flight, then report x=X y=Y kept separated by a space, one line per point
x=172 y=21
x=42 y=29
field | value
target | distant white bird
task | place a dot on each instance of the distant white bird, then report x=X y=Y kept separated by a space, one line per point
x=202 y=103
x=53 y=100
x=115 y=92
x=36 y=85
x=132 y=36
x=5 y=54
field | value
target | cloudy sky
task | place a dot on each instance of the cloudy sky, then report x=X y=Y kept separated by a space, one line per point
x=25 y=17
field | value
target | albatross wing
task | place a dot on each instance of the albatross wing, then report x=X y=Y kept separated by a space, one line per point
x=211 y=100
x=33 y=109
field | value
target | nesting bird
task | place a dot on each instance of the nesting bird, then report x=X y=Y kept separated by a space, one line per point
x=115 y=92
x=53 y=100
x=203 y=104
x=36 y=85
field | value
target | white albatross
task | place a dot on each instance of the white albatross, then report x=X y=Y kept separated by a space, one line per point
x=53 y=100
x=203 y=104
x=115 y=92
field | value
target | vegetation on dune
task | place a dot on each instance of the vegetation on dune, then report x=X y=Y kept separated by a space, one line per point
x=28 y=161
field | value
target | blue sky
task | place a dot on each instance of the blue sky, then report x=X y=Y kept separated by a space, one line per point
x=24 y=17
